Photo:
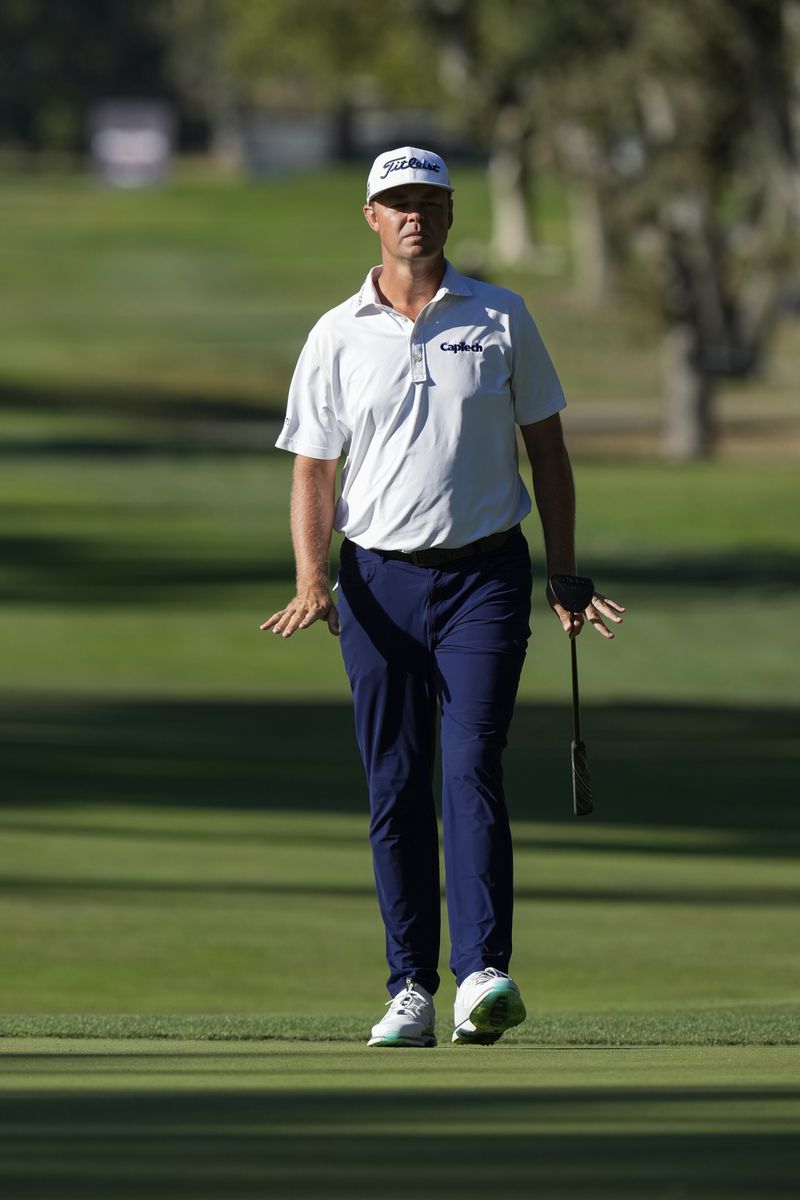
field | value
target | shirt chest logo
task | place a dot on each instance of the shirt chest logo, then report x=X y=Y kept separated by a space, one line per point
x=461 y=347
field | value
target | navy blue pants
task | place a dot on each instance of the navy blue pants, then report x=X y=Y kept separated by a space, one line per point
x=418 y=642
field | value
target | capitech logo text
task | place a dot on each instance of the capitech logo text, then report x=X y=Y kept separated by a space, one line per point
x=458 y=347
x=401 y=164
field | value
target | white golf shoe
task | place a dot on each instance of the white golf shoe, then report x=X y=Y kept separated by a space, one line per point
x=410 y=1020
x=487 y=1004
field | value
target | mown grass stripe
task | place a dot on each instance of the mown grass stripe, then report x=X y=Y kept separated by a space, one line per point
x=778 y=1026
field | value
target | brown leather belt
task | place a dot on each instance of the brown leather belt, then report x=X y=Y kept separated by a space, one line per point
x=444 y=554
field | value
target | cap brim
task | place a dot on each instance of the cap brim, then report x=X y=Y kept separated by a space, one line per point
x=446 y=187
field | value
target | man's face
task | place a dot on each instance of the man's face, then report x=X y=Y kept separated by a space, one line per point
x=412 y=220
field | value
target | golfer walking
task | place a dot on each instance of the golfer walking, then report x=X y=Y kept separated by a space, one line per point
x=420 y=380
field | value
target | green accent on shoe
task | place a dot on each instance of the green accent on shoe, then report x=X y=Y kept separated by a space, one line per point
x=396 y=1041
x=475 y=1039
x=498 y=1011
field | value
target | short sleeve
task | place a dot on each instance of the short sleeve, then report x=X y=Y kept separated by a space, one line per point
x=310 y=427
x=535 y=385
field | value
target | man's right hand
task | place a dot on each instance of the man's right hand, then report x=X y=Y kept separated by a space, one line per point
x=309 y=605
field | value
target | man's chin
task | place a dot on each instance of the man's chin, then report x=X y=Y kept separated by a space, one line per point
x=417 y=251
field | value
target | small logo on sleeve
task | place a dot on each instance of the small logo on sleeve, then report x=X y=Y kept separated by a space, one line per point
x=461 y=347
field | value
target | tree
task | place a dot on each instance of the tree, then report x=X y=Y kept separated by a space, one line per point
x=676 y=127
x=233 y=54
x=194 y=34
x=695 y=159
x=463 y=52
x=487 y=73
x=58 y=58
x=496 y=58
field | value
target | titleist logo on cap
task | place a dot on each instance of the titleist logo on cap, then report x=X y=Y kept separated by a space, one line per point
x=398 y=164
x=407 y=165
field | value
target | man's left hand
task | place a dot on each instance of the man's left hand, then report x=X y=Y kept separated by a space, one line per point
x=601 y=606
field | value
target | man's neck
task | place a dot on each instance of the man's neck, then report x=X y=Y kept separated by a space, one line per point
x=408 y=286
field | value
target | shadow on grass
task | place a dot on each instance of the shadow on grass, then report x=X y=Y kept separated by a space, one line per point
x=260 y=438
x=99 y=570
x=147 y=421
x=608 y=1143
x=755 y=569
x=134 y=403
x=84 y=571
x=655 y=767
x=129 y=889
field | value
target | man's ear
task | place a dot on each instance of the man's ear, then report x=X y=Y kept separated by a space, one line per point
x=371 y=217
x=450 y=214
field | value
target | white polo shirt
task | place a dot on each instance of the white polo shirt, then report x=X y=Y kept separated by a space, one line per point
x=425 y=412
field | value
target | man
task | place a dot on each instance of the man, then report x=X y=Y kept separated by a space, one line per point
x=420 y=380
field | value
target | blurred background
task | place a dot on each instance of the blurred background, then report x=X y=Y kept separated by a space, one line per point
x=183 y=813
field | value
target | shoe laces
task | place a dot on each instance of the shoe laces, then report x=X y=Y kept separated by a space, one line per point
x=490 y=973
x=408 y=1002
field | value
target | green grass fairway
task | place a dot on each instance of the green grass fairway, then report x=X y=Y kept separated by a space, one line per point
x=205 y=290
x=190 y=949
x=129 y=1120
x=148 y=575
x=675 y=931
x=183 y=308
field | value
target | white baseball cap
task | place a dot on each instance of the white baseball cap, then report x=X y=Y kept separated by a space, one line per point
x=406 y=164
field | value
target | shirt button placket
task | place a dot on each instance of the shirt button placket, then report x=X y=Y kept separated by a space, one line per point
x=419 y=372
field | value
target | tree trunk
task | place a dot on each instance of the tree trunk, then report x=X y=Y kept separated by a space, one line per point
x=592 y=267
x=688 y=431
x=697 y=337
x=509 y=185
x=344 y=146
x=791 y=26
x=224 y=122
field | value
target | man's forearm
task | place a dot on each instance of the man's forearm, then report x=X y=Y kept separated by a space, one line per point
x=312 y=519
x=554 y=492
x=313 y=487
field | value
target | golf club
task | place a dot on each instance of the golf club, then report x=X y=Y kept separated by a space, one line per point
x=575 y=592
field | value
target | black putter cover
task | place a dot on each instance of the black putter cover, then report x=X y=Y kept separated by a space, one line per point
x=574 y=592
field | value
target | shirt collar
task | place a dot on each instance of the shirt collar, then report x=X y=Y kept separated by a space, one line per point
x=452 y=283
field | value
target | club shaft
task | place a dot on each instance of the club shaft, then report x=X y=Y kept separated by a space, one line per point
x=576 y=701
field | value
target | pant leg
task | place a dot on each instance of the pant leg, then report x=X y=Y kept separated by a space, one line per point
x=383 y=610
x=481 y=631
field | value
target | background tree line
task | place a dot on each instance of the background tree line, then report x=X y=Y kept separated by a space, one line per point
x=674 y=126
